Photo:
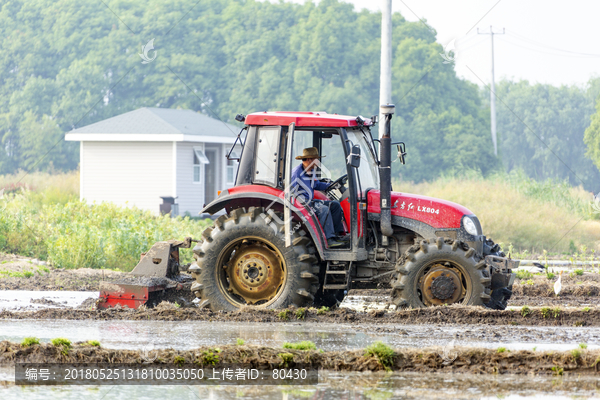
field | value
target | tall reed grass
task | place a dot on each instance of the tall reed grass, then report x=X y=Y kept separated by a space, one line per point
x=515 y=209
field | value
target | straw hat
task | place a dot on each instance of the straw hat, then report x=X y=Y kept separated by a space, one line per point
x=310 y=152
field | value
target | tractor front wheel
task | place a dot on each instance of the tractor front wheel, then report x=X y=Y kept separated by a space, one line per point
x=440 y=271
x=242 y=261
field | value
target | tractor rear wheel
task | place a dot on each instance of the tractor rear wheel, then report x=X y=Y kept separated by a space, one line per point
x=243 y=261
x=440 y=271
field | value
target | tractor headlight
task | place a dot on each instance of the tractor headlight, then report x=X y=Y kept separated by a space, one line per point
x=470 y=226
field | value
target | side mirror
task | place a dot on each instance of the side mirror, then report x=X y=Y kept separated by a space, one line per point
x=401 y=152
x=354 y=157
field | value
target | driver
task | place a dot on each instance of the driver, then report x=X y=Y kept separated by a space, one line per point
x=304 y=183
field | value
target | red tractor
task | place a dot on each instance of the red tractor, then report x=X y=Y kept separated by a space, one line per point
x=268 y=249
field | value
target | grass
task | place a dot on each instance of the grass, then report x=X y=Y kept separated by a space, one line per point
x=501 y=350
x=583 y=346
x=524 y=274
x=303 y=345
x=94 y=343
x=525 y=311
x=284 y=315
x=301 y=313
x=240 y=342
x=322 y=310
x=51 y=225
x=578 y=271
x=30 y=341
x=384 y=353
x=515 y=209
x=61 y=342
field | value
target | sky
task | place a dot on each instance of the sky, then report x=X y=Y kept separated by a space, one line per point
x=553 y=42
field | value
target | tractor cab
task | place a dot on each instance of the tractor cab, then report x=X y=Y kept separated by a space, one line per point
x=348 y=164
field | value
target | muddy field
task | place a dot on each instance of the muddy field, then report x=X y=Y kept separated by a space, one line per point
x=534 y=316
x=464 y=360
x=578 y=292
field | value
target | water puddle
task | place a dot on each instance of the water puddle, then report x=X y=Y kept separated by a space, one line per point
x=344 y=385
x=29 y=300
x=186 y=335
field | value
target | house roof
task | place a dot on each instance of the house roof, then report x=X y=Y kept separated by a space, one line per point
x=157 y=124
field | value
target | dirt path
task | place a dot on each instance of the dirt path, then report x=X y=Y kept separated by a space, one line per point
x=479 y=361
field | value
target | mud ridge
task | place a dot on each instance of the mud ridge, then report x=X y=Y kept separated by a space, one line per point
x=465 y=360
x=532 y=316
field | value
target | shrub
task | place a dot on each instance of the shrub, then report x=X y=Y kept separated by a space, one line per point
x=301 y=313
x=322 y=310
x=545 y=312
x=524 y=274
x=384 y=353
x=303 y=345
x=30 y=341
x=286 y=359
x=556 y=312
x=61 y=342
x=284 y=315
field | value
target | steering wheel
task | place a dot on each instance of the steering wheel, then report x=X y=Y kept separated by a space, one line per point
x=338 y=184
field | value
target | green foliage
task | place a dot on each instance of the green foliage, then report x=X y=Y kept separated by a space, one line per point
x=284 y=315
x=247 y=56
x=301 y=313
x=30 y=341
x=558 y=371
x=209 y=357
x=550 y=275
x=530 y=282
x=303 y=345
x=501 y=350
x=524 y=274
x=585 y=309
x=74 y=234
x=322 y=310
x=556 y=312
x=545 y=312
x=576 y=353
x=592 y=137
x=578 y=271
x=556 y=115
x=61 y=342
x=240 y=342
x=179 y=360
x=94 y=343
x=286 y=359
x=583 y=346
x=525 y=311
x=384 y=353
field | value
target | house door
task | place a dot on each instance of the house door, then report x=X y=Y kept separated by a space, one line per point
x=210 y=176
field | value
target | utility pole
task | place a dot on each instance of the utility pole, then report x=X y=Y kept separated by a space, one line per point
x=493 y=91
x=385 y=78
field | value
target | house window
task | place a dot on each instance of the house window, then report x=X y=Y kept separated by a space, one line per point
x=199 y=159
x=231 y=166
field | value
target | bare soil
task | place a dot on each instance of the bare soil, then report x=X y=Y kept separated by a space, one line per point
x=466 y=360
x=535 y=316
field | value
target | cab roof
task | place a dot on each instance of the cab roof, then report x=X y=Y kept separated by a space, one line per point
x=307 y=118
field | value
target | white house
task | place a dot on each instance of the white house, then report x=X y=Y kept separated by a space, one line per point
x=138 y=157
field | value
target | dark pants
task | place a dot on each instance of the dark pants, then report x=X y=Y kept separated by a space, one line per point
x=330 y=216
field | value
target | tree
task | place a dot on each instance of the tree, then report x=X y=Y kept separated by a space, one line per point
x=592 y=137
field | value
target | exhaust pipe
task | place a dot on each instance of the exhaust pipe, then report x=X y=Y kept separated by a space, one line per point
x=385 y=173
